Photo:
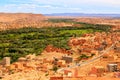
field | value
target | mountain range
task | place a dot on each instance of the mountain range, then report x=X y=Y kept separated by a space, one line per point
x=83 y=15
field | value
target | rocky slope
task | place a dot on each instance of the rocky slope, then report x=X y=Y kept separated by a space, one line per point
x=14 y=17
x=18 y=20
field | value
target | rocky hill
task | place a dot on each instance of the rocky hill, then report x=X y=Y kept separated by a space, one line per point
x=11 y=17
x=18 y=20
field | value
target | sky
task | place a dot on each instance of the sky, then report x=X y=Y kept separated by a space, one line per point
x=60 y=6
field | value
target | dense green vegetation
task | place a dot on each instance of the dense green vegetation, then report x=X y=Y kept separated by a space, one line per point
x=83 y=56
x=55 y=68
x=83 y=25
x=20 y=42
x=61 y=20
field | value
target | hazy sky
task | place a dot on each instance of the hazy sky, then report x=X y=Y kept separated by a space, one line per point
x=60 y=6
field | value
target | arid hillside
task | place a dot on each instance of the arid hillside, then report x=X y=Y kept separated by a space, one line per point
x=115 y=22
x=11 y=17
x=18 y=20
x=96 y=20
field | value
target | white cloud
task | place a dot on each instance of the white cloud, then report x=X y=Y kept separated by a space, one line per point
x=81 y=3
x=62 y=6
x=117 y=2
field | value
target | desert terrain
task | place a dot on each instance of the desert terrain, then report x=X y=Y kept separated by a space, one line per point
x=38 y=47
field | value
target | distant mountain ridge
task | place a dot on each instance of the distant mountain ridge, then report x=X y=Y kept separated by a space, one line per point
x=83 y=15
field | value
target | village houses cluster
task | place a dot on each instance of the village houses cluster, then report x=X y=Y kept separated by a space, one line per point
x=61 y=64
